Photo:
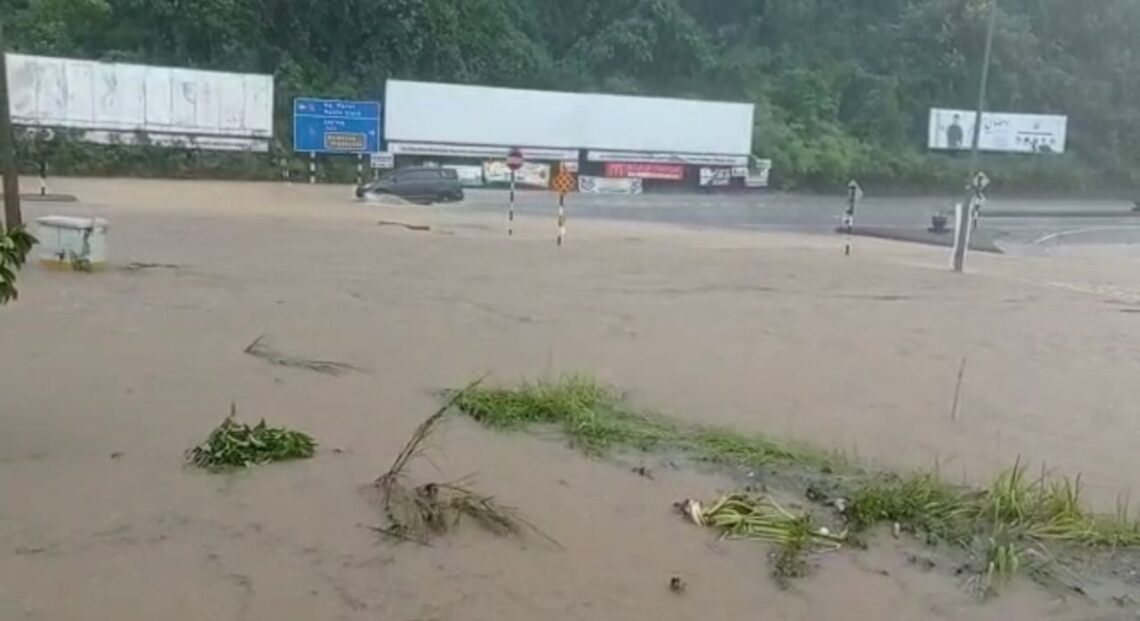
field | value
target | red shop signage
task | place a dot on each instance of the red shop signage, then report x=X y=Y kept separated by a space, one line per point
x=672 y=172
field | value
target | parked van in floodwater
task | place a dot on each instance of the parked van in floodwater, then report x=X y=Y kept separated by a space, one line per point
x=421 y=184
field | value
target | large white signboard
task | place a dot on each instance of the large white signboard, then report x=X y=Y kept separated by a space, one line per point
x=479 y=151
x=115 y=102
x=477 y=115
x=953 y=130
x=609 y=185
x=534 y=174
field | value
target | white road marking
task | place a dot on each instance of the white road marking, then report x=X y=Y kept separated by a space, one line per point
x=1092 y=229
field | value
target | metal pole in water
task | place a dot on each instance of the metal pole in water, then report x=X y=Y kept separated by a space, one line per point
x=511 y=208
x=849 y=220
x=854 y=193
x=12 y=215
x=561 y=217
x=962 y=232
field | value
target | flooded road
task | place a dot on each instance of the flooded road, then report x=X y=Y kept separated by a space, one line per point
x=1026 y=226
x=109 y=377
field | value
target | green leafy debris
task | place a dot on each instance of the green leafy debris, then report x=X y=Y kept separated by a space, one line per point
x=233 y=445
x=15 y=245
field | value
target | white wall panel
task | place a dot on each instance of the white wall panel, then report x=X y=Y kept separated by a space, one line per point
x=58 y=92
x=478 y=115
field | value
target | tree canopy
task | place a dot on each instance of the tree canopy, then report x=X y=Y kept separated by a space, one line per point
x=842 y=88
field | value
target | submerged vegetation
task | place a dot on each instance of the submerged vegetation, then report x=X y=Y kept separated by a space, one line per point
x=1042 y=510
x=596 y=419
x=233 y=445
x=1017 y=523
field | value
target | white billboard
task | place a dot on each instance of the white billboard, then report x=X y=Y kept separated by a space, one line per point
x=644 y=157
x=479 y=151
x=530 y=173
x=953 y=130
x=609 y=185
x=454 y=114
x=171 y=106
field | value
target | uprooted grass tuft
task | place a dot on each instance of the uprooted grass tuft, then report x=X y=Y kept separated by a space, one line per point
x=597 y=419
x=422 y=512
x=234 y=445
x=761 y=518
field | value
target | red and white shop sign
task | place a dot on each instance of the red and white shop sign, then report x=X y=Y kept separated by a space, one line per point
x=671 y=172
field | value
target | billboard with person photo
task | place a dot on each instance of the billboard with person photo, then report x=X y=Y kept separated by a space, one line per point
x=953 y=130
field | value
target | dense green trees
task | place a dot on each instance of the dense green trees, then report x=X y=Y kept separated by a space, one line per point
x=842 y=87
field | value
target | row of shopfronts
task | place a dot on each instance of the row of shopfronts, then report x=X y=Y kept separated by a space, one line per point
x=592 y=171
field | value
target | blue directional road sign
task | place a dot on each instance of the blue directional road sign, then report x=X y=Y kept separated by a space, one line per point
x=334 y=126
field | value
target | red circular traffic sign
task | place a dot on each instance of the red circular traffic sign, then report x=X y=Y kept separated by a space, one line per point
x=514 y=159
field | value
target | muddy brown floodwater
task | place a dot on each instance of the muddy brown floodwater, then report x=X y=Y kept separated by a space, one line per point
x=108 y=377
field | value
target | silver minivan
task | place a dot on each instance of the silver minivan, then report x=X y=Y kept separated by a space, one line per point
x=422 y=184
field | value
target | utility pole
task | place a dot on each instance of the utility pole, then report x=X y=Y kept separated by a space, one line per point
x=12 y=216
x=962 y=232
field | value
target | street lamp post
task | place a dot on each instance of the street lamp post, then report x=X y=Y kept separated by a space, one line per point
x=962 y=234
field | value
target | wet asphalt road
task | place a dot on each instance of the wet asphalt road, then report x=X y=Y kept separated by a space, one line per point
x=1023 y=226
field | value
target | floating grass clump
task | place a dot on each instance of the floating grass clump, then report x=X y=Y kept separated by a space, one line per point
x=759 y=517
x=597 y=419
x=237 y=445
